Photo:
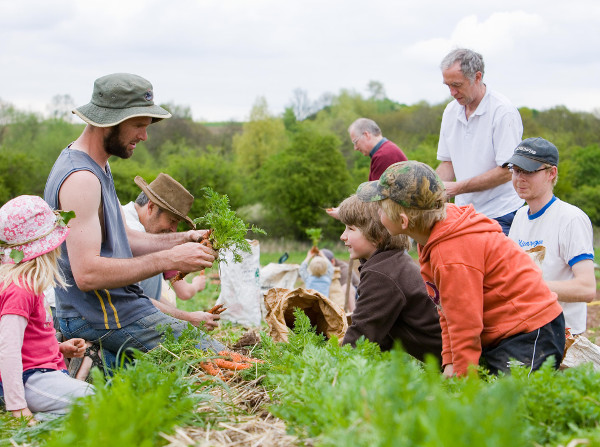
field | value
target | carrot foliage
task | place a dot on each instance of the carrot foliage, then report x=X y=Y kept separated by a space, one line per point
x=227 y=230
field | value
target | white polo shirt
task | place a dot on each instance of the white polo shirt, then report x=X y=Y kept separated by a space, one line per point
x=480 y=144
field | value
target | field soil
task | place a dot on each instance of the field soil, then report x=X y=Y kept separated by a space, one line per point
x=593 y=320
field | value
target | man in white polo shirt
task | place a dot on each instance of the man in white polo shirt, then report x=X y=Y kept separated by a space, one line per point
x=479 y=131
x=557 y=235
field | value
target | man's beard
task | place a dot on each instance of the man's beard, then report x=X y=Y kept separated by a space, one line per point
x=113 y=145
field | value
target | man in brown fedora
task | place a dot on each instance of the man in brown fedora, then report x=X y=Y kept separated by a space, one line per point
x=159 y=208
x=104 y=259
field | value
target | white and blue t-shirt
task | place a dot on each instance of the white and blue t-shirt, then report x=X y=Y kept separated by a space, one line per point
x=557 y=237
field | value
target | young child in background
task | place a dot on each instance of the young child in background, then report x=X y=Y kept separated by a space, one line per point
x=493 y=303
x=316 y=271
x=392 y=304
x=33 y=376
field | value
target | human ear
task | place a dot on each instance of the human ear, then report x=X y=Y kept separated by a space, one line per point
x=404 y=221
x=151 y=208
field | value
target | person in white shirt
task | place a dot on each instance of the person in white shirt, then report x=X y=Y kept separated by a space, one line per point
x=159 y=208
x=479 y=131
x=556 y=234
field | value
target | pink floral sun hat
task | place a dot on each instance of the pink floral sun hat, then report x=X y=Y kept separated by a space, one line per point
x=28 y=225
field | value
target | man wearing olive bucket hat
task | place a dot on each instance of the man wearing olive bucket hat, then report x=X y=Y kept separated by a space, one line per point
x=159 y=208
x=105 y=259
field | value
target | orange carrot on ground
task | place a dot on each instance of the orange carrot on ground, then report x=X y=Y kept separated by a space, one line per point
x=237 y=357
x=226 y=364
x=211 y=368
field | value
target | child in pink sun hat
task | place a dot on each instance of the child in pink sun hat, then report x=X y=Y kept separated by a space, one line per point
x=33 y=377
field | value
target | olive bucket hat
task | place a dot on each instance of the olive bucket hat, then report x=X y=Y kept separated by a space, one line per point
x=411 y=184
x=168 y=194
x=118 y=97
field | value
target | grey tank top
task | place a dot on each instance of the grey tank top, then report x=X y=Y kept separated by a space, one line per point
x=105 y=308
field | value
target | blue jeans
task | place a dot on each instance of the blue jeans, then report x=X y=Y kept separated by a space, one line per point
x=506 y=221
x=141 y=334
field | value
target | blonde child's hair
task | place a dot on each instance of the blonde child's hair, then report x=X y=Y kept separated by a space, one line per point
x=35 y=275
x=318 y=266
x=418 y=220
x=365 y=216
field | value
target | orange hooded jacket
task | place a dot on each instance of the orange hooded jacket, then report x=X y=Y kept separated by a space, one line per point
x=486 y=288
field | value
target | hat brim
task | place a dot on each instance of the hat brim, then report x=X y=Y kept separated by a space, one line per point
x=106 y=117
x=39 y=247
x=523 y=162
x=160 y=202
x=371 y=192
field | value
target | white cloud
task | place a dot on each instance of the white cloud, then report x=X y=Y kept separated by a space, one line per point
x=218 y=56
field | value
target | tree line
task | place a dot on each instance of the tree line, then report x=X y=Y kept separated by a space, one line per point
x=281 y=171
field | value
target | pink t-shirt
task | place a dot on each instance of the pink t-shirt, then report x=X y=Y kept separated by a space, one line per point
x=40 y=347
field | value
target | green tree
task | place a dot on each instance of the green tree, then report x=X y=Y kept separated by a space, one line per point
x=20 y=174
x=302 y=180
x=262 y=137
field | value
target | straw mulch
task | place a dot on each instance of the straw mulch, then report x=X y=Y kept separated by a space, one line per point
x=250 y=424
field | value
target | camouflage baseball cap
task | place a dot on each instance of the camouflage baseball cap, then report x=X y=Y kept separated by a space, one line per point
x=411 y=184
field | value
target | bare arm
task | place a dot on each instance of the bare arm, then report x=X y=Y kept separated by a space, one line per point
x=143 y=243
x=487 y=180
x=210 y=320
x=446 y=171
x=185 y=290
x=81 y=193
x=582 y=288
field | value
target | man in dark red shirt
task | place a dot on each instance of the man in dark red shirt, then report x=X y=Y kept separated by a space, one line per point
x=367 y=139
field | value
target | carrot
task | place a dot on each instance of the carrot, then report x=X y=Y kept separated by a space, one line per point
x=211 y=368
x=226 y=364
x=204 y=241
x=218 y=309
x=237 y=357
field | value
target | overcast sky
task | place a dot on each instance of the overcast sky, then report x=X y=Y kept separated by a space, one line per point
x=219 y=56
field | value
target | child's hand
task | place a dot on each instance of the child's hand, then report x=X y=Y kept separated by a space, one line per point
x=449 y=370
x=24 y=412
x=75 y=347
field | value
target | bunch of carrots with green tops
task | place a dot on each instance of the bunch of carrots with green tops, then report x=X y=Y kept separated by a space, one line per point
x=226 y=230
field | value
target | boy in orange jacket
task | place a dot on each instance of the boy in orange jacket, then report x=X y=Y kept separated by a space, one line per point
x=494 y=306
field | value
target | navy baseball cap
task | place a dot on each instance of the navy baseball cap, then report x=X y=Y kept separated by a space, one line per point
x=533 y=153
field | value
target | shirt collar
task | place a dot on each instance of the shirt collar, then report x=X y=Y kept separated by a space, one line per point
x=540 y=212
x=377 y=146
x=482 y=107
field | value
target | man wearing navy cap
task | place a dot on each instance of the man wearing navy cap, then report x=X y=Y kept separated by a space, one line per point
x=557 y=235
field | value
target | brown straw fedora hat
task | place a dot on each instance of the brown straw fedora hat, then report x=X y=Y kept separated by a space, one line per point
x=168 y=194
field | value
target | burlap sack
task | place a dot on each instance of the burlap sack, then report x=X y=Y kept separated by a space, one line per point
x=328 y=317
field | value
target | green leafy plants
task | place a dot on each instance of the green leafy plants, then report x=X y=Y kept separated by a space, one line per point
x=315 y=235
x=227 y=230
x=131 y=408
